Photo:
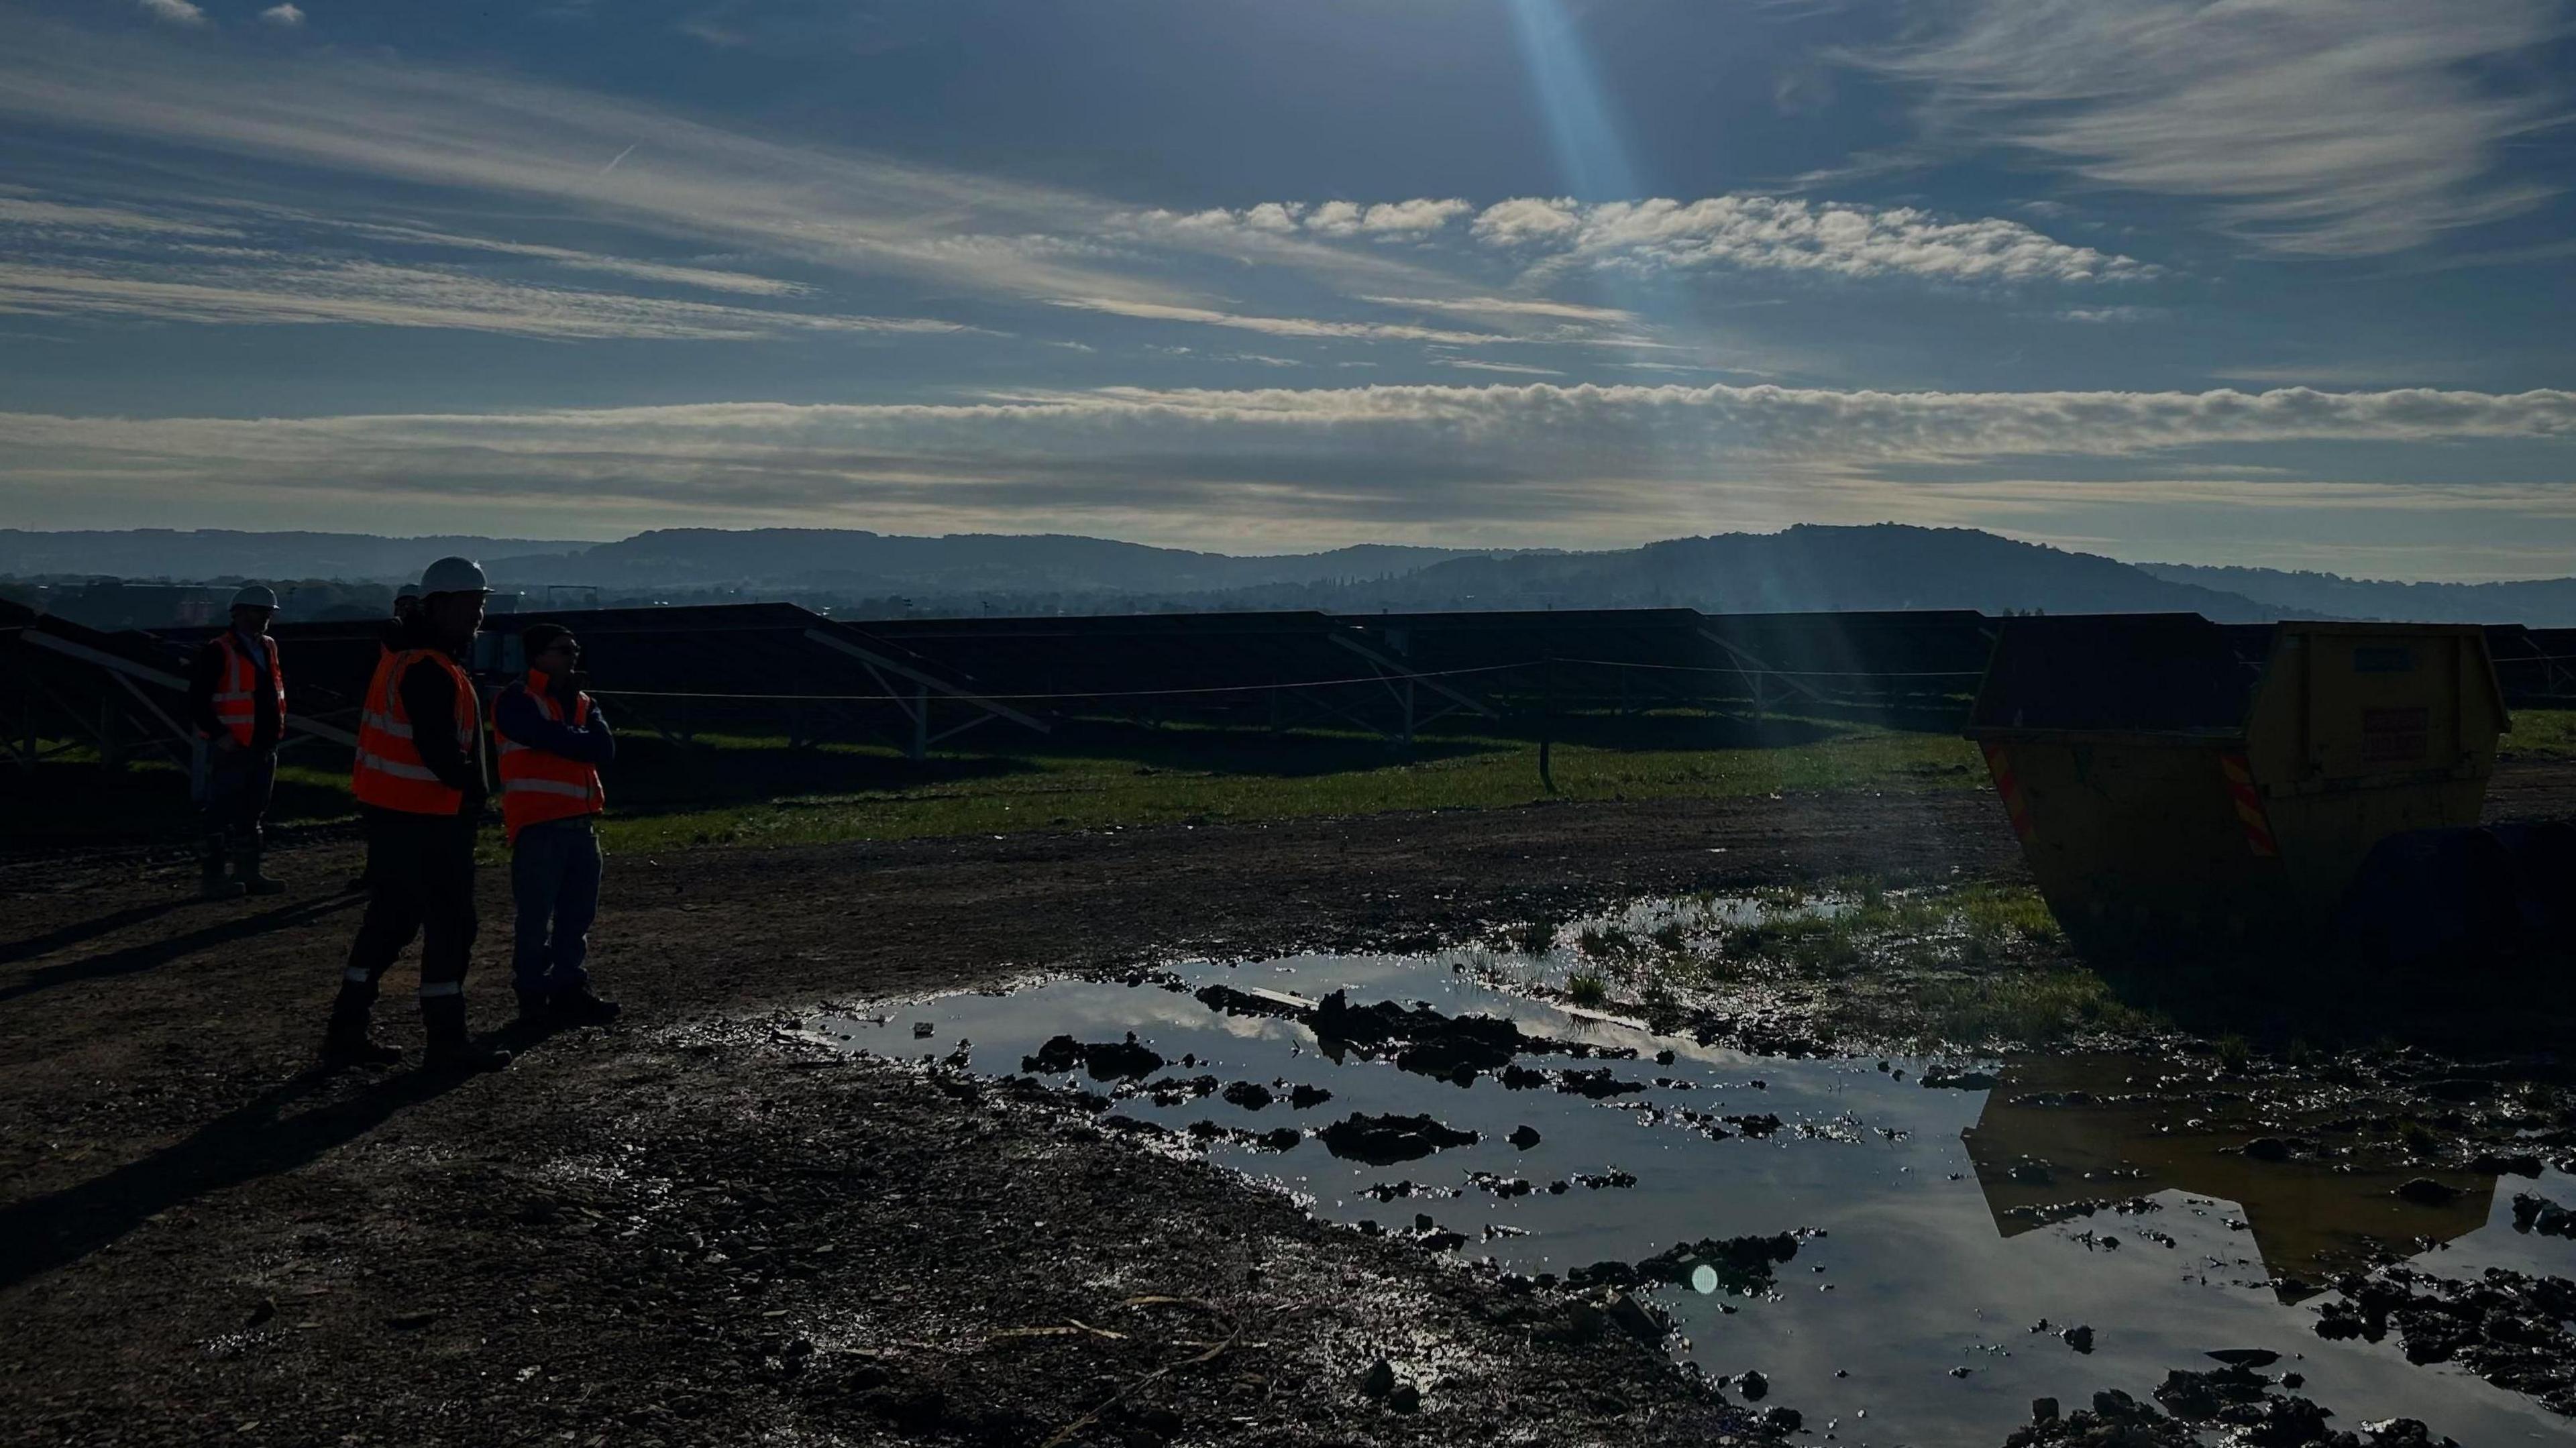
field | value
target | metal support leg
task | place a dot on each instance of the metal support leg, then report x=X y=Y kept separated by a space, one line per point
x=920 y=723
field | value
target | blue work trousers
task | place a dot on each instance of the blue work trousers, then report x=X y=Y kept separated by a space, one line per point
x=554 y=879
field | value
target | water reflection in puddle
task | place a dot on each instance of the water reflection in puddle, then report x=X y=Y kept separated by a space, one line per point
x=1929 y=1240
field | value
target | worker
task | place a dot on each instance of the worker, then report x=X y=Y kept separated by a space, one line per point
x=390 y=640
x=237 y=701
x=553 y=739
x=421 y=790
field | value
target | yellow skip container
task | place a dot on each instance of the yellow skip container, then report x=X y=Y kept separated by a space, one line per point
x=2173 y=779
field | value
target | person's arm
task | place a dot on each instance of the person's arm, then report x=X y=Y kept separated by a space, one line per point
x=522 y=722
x=601 y=738
x=205 y=675
x=429 y=697
x=268 y=717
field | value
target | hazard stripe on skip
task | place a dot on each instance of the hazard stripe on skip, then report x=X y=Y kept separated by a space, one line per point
x=2015 y=806
x=2249 y=806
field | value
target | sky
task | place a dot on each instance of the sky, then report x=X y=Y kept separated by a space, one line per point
x=2283 y=283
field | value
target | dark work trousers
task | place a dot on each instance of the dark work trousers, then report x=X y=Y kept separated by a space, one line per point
x=238 y=785
x=554 y=878
x=422 y=867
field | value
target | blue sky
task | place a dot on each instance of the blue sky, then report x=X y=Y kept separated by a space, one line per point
x=2268 y=281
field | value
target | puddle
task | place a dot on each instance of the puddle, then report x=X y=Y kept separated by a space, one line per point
x=1931 y=1266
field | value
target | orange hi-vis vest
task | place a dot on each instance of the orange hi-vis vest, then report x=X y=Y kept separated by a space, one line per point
x=537 y=786
x=389 y=774
x=237 y=696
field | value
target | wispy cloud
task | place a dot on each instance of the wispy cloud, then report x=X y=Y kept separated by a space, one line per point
x=1465 y=364
x=1383 y=220
x=1787 y=234
x=287 y=292
x=285 y=17
x=1514 y=307
x=1280 y=326
x=2347 y=129
x=177 y=12
x=1540 y=453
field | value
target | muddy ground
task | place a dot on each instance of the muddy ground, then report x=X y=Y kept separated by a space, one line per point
x=695 y=1227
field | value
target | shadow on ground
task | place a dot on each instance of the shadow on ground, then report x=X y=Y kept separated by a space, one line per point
x=266 y=1136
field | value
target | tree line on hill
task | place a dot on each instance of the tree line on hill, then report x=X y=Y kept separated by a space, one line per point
x=869 y=575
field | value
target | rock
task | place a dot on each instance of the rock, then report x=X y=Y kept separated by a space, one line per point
x=1379 y=1380
x=2200 y=1397
x=1125 y=1060
x=1523 y=1137
x=1284 y=1138
x=1385 y=1140
x=2426 y=1192
x=2079 y=1337
x=2043 y=1410
x=1782 y=1422
x=1406 y=1398
x=1250 y=1095
x=2535 y=1213
x=1961 y=1372
x=266 y=1309
x=2268 y=1148
x=1635 y=1319
x=1305 y=1096
x=1752 y=1385
x=2520 y=1163
x=1597 y=1084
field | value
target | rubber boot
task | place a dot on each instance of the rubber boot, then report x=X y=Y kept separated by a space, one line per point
x=451 y=1051
x=578 y=1007
x=347 y=1043
x=246 y=873
x=211 y=882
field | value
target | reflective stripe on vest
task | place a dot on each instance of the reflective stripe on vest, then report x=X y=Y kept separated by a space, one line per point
x=537 y=785
x=237 y=691
x=389 y=774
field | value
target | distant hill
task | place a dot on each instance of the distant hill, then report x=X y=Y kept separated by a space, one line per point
x=1882 y=566
x=196 y=555
x=2541 y=603
x=1885 y=566
x=863 y=562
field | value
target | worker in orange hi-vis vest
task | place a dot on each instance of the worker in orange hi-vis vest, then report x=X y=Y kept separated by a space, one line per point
x=421 y=791
x=237 y=701
x=553 y=739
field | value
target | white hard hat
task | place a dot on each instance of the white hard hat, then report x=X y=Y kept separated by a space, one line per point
x=454 y=575
x=254 y=595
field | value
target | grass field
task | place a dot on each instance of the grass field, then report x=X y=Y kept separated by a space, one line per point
x=1172 y=775
x=1091 y=774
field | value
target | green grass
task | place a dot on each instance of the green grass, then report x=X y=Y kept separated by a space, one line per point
x=2542 y=734
x=1205 y=776
x=1091 y=775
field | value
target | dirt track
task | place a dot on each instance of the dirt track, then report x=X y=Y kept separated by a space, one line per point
x=685 y=1230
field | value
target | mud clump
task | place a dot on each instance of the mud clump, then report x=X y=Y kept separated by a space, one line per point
x=2515 y=1331
x=1598 y=1084
x=1250 y=1095
x=2426 y=1192
x=2234 y=1401
x=1741 y=1265
x=2535 y=1213
x=1127 y=1060
x=1524 y=1137
x=1386 y=1140
x=1303 y=1097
